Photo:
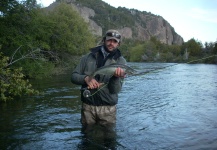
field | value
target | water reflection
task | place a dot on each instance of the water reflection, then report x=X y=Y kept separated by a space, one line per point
x=98 y=137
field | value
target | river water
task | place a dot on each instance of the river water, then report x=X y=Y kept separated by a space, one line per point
x=169 y=108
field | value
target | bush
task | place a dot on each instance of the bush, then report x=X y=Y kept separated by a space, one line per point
x=12 y=81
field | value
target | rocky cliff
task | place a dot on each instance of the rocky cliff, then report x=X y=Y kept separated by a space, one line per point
x=145 y=25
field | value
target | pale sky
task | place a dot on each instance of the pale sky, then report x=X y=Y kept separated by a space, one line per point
x=190 y=18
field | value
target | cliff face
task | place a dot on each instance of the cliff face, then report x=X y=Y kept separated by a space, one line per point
x=158 y=27
x=151 y=26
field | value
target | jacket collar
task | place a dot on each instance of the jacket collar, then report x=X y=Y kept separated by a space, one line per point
x=97 y=49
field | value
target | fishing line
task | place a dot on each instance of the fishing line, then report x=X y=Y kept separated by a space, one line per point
x=87 y=92
x=163 y=68
x=201 y=59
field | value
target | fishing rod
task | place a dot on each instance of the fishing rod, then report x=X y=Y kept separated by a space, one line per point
x=87 y=92
x=201 y=59
x=163 y=68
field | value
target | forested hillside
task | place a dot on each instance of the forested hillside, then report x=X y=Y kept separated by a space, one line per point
x=133 y=24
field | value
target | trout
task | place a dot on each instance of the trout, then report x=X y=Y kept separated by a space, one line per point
x=110 y=70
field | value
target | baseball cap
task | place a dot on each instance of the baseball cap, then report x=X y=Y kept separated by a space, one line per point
x=113 y=34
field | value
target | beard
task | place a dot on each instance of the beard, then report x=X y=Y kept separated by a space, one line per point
x=109 y=48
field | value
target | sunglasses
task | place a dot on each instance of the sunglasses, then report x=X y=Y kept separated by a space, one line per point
x=112 y=34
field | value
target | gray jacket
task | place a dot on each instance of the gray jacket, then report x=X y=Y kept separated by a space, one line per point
x=108 y=95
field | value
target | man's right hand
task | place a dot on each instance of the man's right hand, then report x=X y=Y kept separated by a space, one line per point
x=91 y=82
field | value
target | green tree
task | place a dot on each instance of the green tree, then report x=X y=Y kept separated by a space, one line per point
x=214 y=51
x=136 y=53
x=194 y=47
x=8 y=6
x=56 y=33
x=143 y=52
x=69 y=31
x=15 y=26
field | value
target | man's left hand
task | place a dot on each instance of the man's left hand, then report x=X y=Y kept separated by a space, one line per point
x=119 y=72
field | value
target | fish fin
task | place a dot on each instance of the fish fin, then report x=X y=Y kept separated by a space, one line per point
x=113 y=62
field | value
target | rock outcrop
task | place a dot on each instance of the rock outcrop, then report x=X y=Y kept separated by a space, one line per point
x=155 y=26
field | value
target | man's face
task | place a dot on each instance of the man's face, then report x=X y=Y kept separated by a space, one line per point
x=111 y=44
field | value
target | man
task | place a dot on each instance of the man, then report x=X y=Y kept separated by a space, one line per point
x=100 y=107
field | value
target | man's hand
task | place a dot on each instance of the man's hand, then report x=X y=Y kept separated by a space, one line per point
x=91 y=82
x=119 y=73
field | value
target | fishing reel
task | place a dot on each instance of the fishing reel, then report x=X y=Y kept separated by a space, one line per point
x=86 y=93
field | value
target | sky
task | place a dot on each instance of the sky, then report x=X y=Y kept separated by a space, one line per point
x=190 y=18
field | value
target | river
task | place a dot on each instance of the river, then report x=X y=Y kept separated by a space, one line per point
x=170 y=108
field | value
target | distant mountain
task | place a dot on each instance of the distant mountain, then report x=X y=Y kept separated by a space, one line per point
x=131 y=23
